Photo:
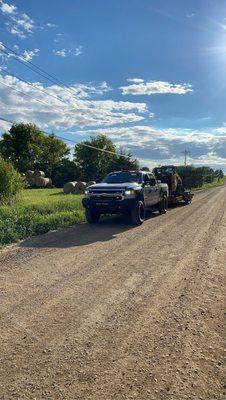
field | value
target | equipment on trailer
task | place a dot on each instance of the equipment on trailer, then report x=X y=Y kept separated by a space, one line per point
x=177 y=193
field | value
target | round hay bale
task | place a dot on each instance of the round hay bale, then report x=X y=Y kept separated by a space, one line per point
x=50 y=183
x=80 y=188
x=69 y=187
x=29 y=174
x=31 y=181
x=90 y=183
x=43 y=182
x=39 y=174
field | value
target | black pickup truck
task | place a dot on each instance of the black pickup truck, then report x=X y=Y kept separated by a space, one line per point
x=125 y=193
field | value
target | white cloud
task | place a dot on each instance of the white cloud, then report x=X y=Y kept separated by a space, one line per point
x=78 y=51
x=59 y=38
x=61 y=53
x=4 y=126
x=191 y=15
x=135 y=80
x=67 y=53
x=155 y=87
x=51 y=25
x=78 y=108
x=28 y=55
x=160 y=146
x=221 y=130
x=16 y=31
x=7 y=8
x=19 y=24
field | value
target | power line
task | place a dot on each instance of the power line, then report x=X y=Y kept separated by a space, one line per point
x=72 y=141
x=34 y=65
x=52 y=79
x=37 y=88
x=26 y=94
x=59 y=137
x=27 y=64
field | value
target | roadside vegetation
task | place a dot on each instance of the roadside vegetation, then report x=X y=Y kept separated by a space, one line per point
x=38 y=211
x=11 y=183
x=216 y=182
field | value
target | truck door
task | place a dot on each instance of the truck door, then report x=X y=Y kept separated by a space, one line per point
x=147 y=190
x=154 y=190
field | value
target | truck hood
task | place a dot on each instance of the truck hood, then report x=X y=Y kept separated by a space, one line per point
x=115 y=186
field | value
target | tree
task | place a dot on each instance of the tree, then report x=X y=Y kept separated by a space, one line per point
x=22 y=145
x=219 y=174
x=93 y=163
x=53 y=152
x=124 y=162
x=65 y=171
x=27 y=147
x=145 y=169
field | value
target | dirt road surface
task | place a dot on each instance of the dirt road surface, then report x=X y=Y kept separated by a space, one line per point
x=116 y=312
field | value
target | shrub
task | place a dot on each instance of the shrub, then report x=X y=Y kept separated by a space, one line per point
x=11 y=183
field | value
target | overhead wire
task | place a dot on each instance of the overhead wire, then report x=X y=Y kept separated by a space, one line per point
x=74 y=142
x=18 y=57
x=52 y=79
x=38 y=88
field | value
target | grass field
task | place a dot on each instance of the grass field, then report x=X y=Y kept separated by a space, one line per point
x=38 y=211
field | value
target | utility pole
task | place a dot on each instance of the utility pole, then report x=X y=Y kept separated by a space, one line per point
x=185 y=152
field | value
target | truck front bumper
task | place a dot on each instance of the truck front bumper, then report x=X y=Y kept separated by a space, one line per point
x=109 y=206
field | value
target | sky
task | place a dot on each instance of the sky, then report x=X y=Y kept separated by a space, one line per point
x=150 y=74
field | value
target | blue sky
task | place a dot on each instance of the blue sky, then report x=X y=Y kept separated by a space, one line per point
x=151 y=74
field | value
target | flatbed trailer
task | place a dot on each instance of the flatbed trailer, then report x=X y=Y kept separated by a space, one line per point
x=186 y=197
x=177 y=193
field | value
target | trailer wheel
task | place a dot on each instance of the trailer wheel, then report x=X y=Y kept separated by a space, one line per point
x=138 y=213
x=92 y=217
x=162 y=206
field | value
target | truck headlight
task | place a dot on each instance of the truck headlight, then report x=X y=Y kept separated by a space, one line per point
x=130 y=194
x=86 y=193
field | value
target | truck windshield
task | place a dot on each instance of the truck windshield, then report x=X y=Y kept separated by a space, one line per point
x=122 y=177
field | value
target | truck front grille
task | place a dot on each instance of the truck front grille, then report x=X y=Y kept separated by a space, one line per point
x=103 y=195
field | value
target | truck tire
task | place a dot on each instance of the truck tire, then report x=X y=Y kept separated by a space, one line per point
x=162 y=206
x=138 y=213
x=92 y=217
x=187 y=201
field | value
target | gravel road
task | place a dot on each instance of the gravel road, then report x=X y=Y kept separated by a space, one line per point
x=116 y=312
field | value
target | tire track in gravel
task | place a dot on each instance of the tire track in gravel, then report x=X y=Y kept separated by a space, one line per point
x=61 y=283
x=110 y=327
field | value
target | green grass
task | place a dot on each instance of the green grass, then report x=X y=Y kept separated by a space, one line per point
x=215 y=183
x=38 y=211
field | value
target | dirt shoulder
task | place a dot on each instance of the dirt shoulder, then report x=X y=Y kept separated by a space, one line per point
x=115 y=312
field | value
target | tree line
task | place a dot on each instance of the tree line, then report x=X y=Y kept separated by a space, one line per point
x=26 y=147
x=197 y=176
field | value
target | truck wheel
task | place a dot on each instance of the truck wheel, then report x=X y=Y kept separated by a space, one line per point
x=187 y=201
x=92 y=217
x=138 y=213
x=162 y=206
